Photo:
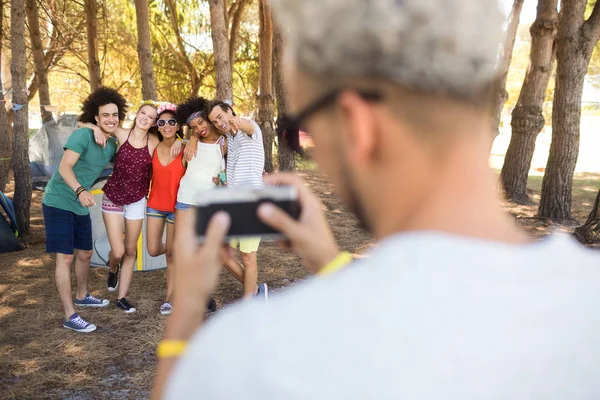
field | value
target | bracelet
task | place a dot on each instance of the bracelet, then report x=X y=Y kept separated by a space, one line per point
x=171 y=348
x=340 y=261
x=79 y=190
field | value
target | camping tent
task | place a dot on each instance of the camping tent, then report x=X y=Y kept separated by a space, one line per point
x=102 y=246
x=9 y=231
x=46 y=149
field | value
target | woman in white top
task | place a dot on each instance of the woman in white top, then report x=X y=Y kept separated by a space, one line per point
x=205 y=154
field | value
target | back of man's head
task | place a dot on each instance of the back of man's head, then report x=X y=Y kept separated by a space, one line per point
x=445 y=47
x=394 y=91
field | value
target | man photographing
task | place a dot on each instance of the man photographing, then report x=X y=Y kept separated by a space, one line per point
x=454 y=302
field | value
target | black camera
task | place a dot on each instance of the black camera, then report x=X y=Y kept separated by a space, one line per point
x=242 y=205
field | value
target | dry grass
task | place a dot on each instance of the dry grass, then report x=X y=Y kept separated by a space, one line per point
x=39 y=359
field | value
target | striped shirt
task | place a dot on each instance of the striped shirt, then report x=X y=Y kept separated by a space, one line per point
x=245 y=158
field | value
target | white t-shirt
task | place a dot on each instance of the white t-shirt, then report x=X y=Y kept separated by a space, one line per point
x=426 y=316
x=245 y=158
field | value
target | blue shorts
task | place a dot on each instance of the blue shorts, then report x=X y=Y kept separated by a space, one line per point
x=66 y=231
x=154 y=213
x=182 y=206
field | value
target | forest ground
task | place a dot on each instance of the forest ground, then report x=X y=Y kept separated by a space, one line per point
x=39 y=359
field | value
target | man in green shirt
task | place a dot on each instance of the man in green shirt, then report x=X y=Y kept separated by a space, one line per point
x=67 y=200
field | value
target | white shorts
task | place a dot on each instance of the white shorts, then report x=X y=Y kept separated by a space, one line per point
x=134 y=211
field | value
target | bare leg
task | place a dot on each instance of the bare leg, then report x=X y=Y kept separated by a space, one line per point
x=169 y=255
x=250 y=274
x=133 y=228
x=154 y=236
x=114 y=230
x=63 y=282
x=233 y=266
x=82 y=268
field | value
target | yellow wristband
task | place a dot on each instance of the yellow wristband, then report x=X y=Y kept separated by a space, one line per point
x=171 y=348
x=340 y=261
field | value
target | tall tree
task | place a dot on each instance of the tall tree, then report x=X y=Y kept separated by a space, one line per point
x=504 y=65
x=265 y=82
x=91 y=11
x=589 y=233
x=38 y=58
x=22 y=173
x=195 y=76
x=285 y=154
x=220 y=40
x=145 y=50
x=576 y=39
x=527 y=117
x=239 y=8
x=5 y=131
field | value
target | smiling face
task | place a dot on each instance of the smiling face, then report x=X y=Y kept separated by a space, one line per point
x=167 y=130
x=108 y=117
x=220 y=118
x=199 y=126
x=145 y=117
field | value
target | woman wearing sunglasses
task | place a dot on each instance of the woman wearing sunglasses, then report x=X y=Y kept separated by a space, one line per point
x=167 y=171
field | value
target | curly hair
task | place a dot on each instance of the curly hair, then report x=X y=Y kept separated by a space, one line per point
x=101 y=97
x=190 y=106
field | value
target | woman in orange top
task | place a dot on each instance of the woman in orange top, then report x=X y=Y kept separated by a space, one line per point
x=167 y=172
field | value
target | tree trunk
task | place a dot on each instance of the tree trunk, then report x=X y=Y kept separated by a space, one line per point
x=145 y=50
x=219 y=33
x=38 y=58
x=236 y=21
x=91 y=11
x=589 y=233
x=285 y=154
x=576 y=39
x=507 y=50
x=265 y=82
x=5 y=132
x=527 y=117
x=22 y=197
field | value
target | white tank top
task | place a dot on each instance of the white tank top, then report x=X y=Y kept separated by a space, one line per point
x=198 y=177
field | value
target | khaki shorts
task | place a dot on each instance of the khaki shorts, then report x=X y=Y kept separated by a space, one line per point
x=246 y=245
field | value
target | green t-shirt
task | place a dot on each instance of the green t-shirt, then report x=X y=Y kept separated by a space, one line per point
x=92 y=161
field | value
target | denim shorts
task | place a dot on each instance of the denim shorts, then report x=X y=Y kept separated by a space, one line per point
x=154 y=213
x=182 y=206
x=66 y=231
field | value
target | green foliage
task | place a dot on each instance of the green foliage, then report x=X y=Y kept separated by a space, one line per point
x=117 y=44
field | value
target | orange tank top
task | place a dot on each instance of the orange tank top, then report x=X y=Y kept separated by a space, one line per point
x=165 y=183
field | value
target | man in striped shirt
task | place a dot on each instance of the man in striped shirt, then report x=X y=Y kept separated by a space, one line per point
x=245 y=166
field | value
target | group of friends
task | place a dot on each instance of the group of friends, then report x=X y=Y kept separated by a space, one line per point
x=156 y=174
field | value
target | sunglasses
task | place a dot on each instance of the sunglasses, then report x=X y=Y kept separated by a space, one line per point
x=163 y=122
x=288 y=128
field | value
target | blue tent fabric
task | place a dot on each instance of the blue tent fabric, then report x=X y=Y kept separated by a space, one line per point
x=9 y=209
x=9 y=231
